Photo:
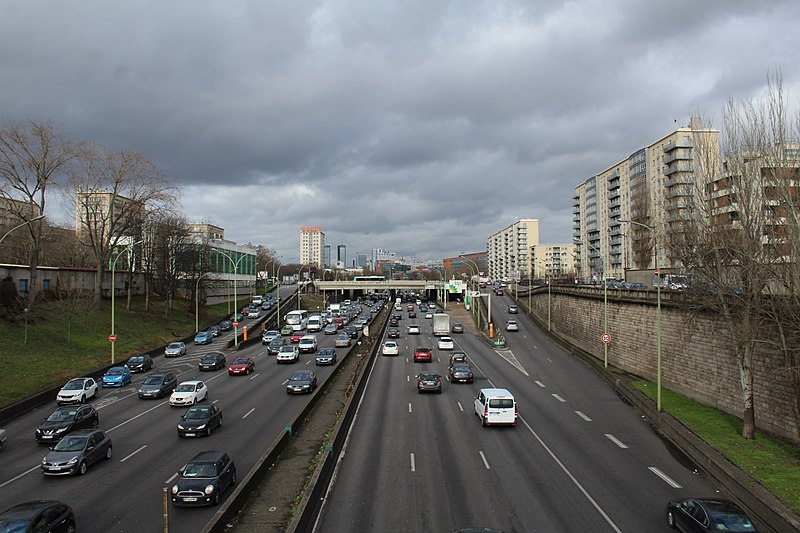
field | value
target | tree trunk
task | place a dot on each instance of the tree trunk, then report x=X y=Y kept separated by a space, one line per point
x=748 y=410
x=98 y=285
x=33 y=274
x=146 y=278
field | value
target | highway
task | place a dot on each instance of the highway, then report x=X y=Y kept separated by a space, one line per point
x=125 y=494
x=580 y=459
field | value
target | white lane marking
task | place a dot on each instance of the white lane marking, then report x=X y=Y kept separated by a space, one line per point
x=25 y=473
x=485 y=462
x=285 y=381
x=167 y=482
x=215 y=401
x=615 y=440
x=542 y=385
x=135 y=417
x=559 y=398
x=549 y=360
x=132 y=454
x=308 y=362
x=248 y=413
x=583 y=416
x=413 y=464
x=409 y=407
x=509 y=356
x=254 y=376
x=408 y=378
x=460 y=407
x=668 y=480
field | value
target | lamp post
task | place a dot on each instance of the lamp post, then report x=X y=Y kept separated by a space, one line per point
x=235 y=265
x=605 y=301
x=197 y=301
x=34 y=219
x=112 y=264
x=547 y=279
x=477 y=310
x=278 y=319
x=298 y=283
x=658 y=308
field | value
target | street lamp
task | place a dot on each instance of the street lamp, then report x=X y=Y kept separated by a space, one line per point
x=197 y=301
x=235 y=265
x=548 y=280
x=658 y=308
x=477 y=306
x=605 y=301
x=34 y=219
x=112 y=264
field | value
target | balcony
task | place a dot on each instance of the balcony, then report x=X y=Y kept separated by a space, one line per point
x=680 y=179
x=675 y=192
x=680 y=143
x=670 y=170
x=682 y=155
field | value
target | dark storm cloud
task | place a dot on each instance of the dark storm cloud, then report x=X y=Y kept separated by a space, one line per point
x=414 y=126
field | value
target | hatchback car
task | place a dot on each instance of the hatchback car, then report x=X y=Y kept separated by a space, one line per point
x=700 y=515
x=390 y=348
x=204 y=479
x=458 y=357
x=352 y=331
x=461 y=372
x=287 y=330
x=445 y=343
x=330 y=329
x=203 y=337
x=255 y=312
x=189 y=393
x=429 y=315
x=212 y=361
x=214 y=330
x=270 y=334
x=295 y=337
x=429 y=382
x=140 y=363
x=117 y=376
x=423 y=355
x=457 y=327
x=393 y=333
x=511 y=325
x=288 y=354
x=275 y=345
x=412 y=314
x=226 y=325
x=158 y=384
x=41 y=515
x=301 y=381
x=413 y=329
x=175 y=349
x=513 y=309
x=76 y=452
x=200 y=420
x=77 y=390
x=326 y=356
x=66 y=419
x=342 y=341
x=242 y=366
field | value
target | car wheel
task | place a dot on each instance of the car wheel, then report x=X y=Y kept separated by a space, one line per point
x=95 y=422
x=97 y=393
x=194 y=400
x=220 y=422
x=215 y=501
x=82 y=468
x=483 y=421
x=109 y=452
x=671 y=519
x=83 y=399
x=233 y=479
x=208 y=431
x=70 y=528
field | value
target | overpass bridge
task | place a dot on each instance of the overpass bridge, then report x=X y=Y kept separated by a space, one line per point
x=453 y=288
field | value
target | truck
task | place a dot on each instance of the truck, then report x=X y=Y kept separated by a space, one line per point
x=441 y=324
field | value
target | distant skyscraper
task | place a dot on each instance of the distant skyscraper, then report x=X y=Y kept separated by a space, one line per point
x=361 y=260
x=326 y=256
x=341 y=256
x=312 y=242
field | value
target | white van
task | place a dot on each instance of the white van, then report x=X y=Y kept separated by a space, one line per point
x=307 y=344
x=496 y=407
x=315 y=323
x=258 y=299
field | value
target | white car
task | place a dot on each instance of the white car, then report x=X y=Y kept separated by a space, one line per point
x=390 y=348
x=512 y=325
x=429 y=315
x=77 y=390
x=175 y=349
x=413 y=329
x=446 y=343
x=288 y=354
x=189 y=393
x=253 y=313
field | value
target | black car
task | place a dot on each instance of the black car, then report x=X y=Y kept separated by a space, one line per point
x=158 y=384
x=64 y=420
x=48 y=516
x=204 y=479
x=301 y=381
x=429 y=381
x=140 y=363
x=393 y=333
x=225 y=325
x=326 y=356
x=214 y=330
x=212 y=361
x=76 y=452
x=701 y=515
x=461 y=372
x=200 y=420
x=393 y=323
x=352 y=331
x=412 y=314
x=275 y=345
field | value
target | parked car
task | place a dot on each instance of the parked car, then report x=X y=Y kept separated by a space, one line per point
x=66 y=419
x=212 y=361
x=204 y=479
x=390 y=348
x=158 y=384
x=77 y=390
x=511 y=325
x=189 y=393
x=288 y=354
x=226 y=325
x=301 y=381
x=326 y=356
x=117 y=376
x=140 y=363
x=39 y=515
x=175 y=349
x=429 y=382
x=423 y=355
x=445 y=343
x=270 y=334
x=76 y=452
x=692 y=515
x=342 y=341
x=200 y=420
x=242 y=366
x=457 y=327
x=461 y=372
x=275 y=345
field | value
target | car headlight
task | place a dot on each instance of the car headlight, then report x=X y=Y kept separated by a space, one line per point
x=61 y=430
x=209 y=489
x=174 y=489
x=201 y=427
x=180 y=426
x=44 y=460
x=72 y=461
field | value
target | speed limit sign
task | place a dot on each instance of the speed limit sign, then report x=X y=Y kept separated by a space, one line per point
x=605 y=337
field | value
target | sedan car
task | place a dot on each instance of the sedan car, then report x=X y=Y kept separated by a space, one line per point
x=275 y=345
x=390 y=348
x=203 y=479
x=511 y=325
x=330 y=329
x=77 y=390
x=342 y=341
x=76 y=452
x=40 y=515
x=225 y=325
x=352 y=331
x=117 y=376
x=393 y=333
x=270 y=334
x=461 y=372
x=199 y=420
x=242 y=366
x=700 y=515
x=326 y=356
x=457 y=327
x=212 y=361
x=214 y=330
x=301 y=381
x=203 y=337
x=66 y=419
x=413 y=329
x=175 y=349
x=458 y=357
x=445 y=343
x=288 y=354
x=429 y=382
x=158 y=384
x=189 y=393
x=423 y=355
x=140 y=363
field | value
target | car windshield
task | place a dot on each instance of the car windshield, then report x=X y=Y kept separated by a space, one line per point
x=70 y=444
x=209 y=358
x=429 y=377
x=300 y=377
x=153 y=380
x=75 y=384
x=196 y=413
x=460 y=368
x=116 y=371
x=200 y=470
x=174 y=346
x=136 y=360
x=183 y=387
x=240 y=361
x=60 y=416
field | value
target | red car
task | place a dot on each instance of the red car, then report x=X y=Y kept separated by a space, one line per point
x=241 y=366
x=423 y=355
x=296 y=336
x=338 y=322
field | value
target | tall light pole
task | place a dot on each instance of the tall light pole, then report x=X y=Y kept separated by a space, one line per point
x=235 y=265
x=278 y=319
x=605 y=301
x=298 y=282
x=477 y=274
x=658 y=308
x=112 y=264
x=547 y=279
x=197 y=301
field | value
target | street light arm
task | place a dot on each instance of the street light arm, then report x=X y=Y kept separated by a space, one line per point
x=20 y=225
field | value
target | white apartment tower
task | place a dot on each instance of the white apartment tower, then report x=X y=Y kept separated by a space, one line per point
x=312 y=245
x=509 y=250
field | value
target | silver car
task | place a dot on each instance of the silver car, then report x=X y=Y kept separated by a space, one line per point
x=175 y=349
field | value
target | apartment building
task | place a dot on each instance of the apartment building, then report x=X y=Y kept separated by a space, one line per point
x=554 y=261
x=466 y=262
x=108 y=215
x=508 y=250
x=312 y=246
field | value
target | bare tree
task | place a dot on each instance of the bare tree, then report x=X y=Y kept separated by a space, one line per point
x=32 y=155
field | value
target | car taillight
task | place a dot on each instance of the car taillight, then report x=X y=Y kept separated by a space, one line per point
x=516 y=414
x=486 y=412
x=470 y=374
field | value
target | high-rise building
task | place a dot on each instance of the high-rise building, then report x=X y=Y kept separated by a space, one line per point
x=361 y=260
x=508 y=250
x=312 y=242
x=326 y=256
x=108 y=216
x=341 y=256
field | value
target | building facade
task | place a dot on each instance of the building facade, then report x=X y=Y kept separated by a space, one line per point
x=508 y=250
x=466 y=262
x=312 y=244
x=553 y=261
x=109 y=215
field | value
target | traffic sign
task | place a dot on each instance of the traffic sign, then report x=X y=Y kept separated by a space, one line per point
x=112 y=337
x=605 y=337
x=656 y=271
x=236 y=324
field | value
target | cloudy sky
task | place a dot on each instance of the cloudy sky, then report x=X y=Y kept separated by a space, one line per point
x=416 y=126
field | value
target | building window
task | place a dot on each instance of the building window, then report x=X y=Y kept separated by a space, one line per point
x=45 y=284
x=23 y=285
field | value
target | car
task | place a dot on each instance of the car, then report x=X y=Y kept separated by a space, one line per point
x=214 y=330
x=352 y=331
x=422 y=355
x=212 y=361
x=3 y=437
x=77 y=390
x=330 y=329
x=431 y=305
x=397 y=317
x=413 y=329
x=245 y=311
x=236 y=317
x=307 y=344
x=498 y=292
x=39 y=515
x=242 y=366
x=189 y=393
x=204 y=479
x=326 y=356
x=117 y=376
x=288 y=354
x=76 y=452
x=461 y=372
x=275 y=345
x=457 y=327
x=393 y=323
x=203 y=337
x=301 y=381
x=158 y=384
x=270 y=334
x=410 y=307
x=445 y=343
x=513 y=309
x=295 y=337
x=267 y=305
x=636 y=286
x=458 y=357
x=511 y=325
x=692 y=515
x=254 y=312
x=175 y=349
x=200 y=420
x=423 y=308
x=412 y=314
x=342 y=341
x=429 y=382
x=338 y=321
x=429 y=315
x=140 y=363
x=226 y=325
x=390 y=348
x=287 y=330
x=66 y=419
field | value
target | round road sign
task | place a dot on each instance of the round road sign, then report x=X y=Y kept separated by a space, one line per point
x=236 y=324
x=605 y=337
x=112 y=338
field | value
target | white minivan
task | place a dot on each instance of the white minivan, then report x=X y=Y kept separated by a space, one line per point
x=307 y=344
x=496 y=407
x=315 y=323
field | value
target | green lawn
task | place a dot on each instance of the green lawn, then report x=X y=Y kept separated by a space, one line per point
x=773 y=462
